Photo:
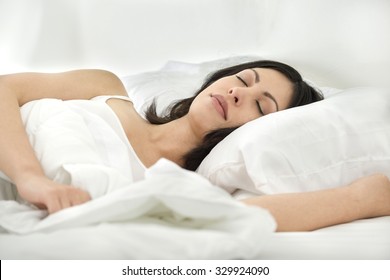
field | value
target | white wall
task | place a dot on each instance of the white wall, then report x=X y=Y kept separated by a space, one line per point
x=338 y=43
x=127 y=35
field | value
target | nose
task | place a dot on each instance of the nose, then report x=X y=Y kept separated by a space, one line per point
x=235 y=94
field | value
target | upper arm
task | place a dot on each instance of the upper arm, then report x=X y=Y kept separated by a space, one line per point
x=78 y=84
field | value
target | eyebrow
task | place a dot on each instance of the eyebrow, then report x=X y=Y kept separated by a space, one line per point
x=267 y=94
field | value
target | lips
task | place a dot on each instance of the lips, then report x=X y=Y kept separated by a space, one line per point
x=220 y=105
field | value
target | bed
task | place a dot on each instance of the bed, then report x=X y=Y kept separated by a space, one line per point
x=177 y=219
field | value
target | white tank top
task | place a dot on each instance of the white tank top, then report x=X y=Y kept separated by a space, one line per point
x=77 y=132
x=105 y=111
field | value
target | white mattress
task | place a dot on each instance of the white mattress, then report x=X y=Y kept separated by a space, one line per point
x=361 y=240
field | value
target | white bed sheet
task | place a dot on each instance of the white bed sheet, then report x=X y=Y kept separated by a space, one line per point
x=172 y=214
x=367 y=239
x=361 y=240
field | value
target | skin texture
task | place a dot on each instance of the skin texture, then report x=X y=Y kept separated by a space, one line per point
x=230 y=101
x=242 y=94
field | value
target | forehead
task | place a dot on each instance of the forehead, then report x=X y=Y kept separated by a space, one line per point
x=272 y=76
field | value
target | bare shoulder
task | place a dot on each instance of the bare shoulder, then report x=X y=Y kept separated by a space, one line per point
x=76 y=84
x=107 y=82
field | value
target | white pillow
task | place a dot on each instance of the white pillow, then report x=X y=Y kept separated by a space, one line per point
x=321 y=145
x=280 y=141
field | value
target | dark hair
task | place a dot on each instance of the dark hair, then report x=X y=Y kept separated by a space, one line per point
x=302 y=94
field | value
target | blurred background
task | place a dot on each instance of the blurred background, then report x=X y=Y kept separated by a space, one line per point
x=336 y=43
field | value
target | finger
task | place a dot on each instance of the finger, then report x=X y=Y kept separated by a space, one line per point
x=66 y=201
x=81 y=197
x=54 y=205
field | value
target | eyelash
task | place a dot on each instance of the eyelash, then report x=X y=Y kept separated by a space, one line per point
x=257 y=102
x=242 y=80
x=259 y=107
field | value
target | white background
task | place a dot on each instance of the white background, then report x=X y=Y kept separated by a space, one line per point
x=278 y=270
x=337 y=43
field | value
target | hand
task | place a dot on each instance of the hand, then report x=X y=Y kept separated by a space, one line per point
x=47 y=194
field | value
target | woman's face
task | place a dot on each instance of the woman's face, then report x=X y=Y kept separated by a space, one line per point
x=235 y=100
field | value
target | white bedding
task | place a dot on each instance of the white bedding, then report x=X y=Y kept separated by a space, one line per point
x=109 y=229
x=172 y=213
x=367 y=239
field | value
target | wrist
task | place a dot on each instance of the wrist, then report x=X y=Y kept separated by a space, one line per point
x=371 y=195
x=27 y=175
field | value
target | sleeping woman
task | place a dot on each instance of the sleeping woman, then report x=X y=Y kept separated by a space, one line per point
x=185 y=134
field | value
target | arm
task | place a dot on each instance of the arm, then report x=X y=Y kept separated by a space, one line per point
x=17 y=158
x=365 y=198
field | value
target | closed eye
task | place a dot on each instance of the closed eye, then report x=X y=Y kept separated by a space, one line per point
x=257 y=102
x=242 y=80
x=259 y=107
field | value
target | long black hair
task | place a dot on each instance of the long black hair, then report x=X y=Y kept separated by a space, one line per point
x=303 y=94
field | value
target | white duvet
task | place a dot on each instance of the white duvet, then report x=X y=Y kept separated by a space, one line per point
x=170 y=214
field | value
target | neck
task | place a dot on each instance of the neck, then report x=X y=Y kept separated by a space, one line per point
x=173 y=140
